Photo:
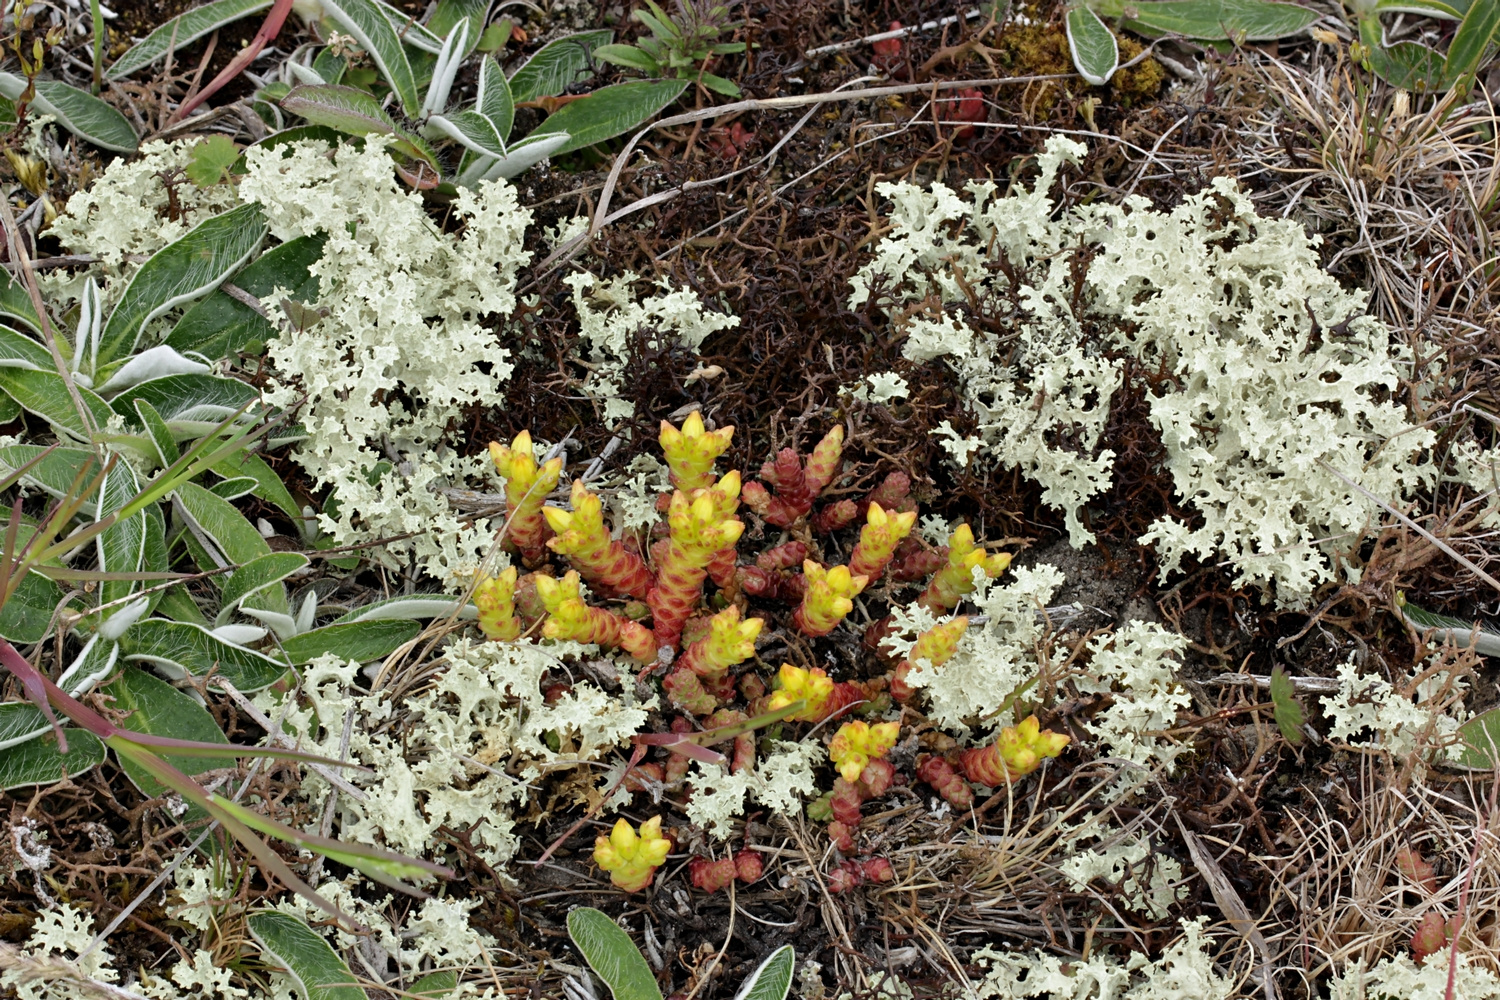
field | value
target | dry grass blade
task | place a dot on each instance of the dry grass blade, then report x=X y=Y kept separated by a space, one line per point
x=1231 y=905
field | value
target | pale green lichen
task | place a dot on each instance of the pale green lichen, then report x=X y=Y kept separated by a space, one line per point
x=61 y=938
x=1137 y=667
x=1185 y=971
x=443 y=764
x=139 y=205
x=1390 y=720
x=881 y=387
x=1275 y=382
x=198 y=978
x=614 y=321
x=992 y=660
x=1148 y=881
x=1400 y=978
x=402 y=348
x=780 y=783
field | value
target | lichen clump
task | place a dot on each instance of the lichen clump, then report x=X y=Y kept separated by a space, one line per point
x=1276 y=383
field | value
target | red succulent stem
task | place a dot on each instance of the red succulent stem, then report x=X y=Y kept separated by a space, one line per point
x=269 y=29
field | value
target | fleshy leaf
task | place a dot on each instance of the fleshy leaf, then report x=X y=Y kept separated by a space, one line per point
x=612 y=955
x=317 y=969
x=181 y=31
x=610 y=111
x=558 y=65
x=1096 y=54
x=180 y=272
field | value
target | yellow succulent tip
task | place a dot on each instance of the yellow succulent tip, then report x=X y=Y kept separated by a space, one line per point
x=857 y=743
x=813 y=686
x=553 y=592
x=631 y=860
x=558 y=520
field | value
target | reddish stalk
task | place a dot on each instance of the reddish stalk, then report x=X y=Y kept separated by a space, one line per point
x=269 y=29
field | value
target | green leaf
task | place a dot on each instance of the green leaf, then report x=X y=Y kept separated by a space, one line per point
x=346 y=109
x=523 y=154
x=472 y=130
x=15 y=302
x=45 y=394
x=435 y=985
x=181 y=31
x=373 y=30
x=1481 y=738
x=612 y=955
x=449 y=12
x=1288 y=711
x=355 y=112
x=233 y=488
x=1425 y=8
x=181 y=272
x=38 y=761
x=220 y=325
x=269 y=486
x=1096 y=54
x=54 y=472
x=258 y=574
x=217 y=522
x=557 y=65
x=494 y=99
x=319 y=972
x=158 y=432
x=329 y=66
x=1212 y=20
x=1473 y=38
x=181 y=647
x=21 y=721
x=159 y=709
x=122 y=546
x=157 y=559
x=1409 y=66
x=772 y=979
x=1445 y=629
x=24 y=618
x=178 y=605
x=76 y=110
x=228 y=529
x=719 y=85
x=610 y=111
x=629 y=56
x=362 y=641
x=494 y=37
x=211 y=160
x=416 y=606
x=20 y=351
x=191 y=405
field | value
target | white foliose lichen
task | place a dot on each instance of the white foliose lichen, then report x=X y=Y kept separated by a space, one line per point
x=1185 y=971
x=445 y=764
x=613 y=321
x=1398 y=723
x=781 y=783
x=1272 y=383
x=1148 y=880
x=402 y=347
x=1139 y=662
x=60 y=939
x=139 y=205
x=1400 y=978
